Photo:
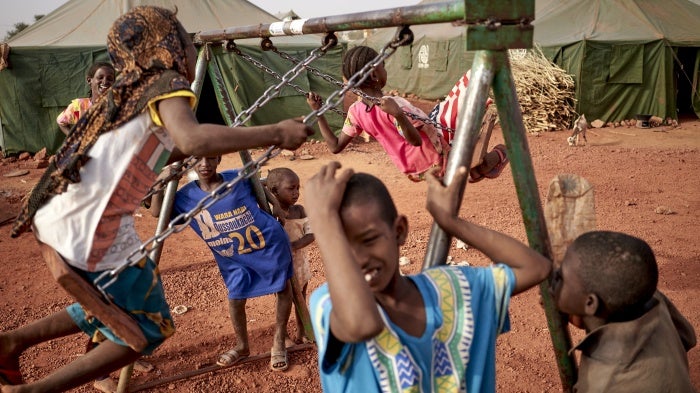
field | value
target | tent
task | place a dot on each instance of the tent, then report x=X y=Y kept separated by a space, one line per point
x=627 y=57
x=48 y=62
x=430 y=66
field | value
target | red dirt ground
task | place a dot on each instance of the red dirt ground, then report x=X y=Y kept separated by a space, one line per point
x=634 y=172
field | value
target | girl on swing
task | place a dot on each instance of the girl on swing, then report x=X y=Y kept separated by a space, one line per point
x=415 y=147
x=83 y=205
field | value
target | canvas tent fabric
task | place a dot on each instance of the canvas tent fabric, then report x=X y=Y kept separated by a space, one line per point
x=48 y=62
x=624 y=55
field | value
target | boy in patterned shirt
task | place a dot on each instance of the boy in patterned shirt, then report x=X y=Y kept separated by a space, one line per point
x=380 y=331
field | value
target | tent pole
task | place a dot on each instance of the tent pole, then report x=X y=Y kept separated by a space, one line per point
x=229 y=114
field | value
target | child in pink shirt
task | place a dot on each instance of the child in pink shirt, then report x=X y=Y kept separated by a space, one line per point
x=413 y=146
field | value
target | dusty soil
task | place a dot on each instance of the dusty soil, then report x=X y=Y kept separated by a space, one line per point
x=635 y=172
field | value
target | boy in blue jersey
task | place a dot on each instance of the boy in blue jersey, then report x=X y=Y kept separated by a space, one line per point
x=250 y=247
x=380 y=331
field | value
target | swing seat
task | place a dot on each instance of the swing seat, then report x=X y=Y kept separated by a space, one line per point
x=111 y=315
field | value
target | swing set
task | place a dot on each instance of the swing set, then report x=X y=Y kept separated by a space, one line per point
x=493 y=27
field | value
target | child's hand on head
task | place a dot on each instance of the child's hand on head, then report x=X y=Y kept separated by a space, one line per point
x=324 y=191
x=293 y=133
x=443 y=201
x=314 y=100
x=388 y=105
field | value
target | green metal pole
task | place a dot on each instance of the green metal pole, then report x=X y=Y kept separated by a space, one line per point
x=515 y=135
x=229 y=114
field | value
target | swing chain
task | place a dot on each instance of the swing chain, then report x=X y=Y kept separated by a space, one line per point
x=178 y=170
x=403 y=37
x=179 y=223
x=274 y=91
x=267 y=45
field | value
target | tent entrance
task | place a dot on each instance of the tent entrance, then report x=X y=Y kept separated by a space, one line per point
x=685 y=75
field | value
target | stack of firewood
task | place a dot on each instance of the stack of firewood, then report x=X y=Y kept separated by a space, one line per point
x=545 y=91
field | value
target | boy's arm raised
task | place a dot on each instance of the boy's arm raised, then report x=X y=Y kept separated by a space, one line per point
x=529 y=266
x=195 y=139
x=354 y=316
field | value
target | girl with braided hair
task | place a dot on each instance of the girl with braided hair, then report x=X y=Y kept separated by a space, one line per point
x=83 y=205
x=414 y=147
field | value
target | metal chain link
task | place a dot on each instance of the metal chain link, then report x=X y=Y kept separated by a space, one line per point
x=270 y=71
x=403 y=37
x=179 y=223
x=178 y=170
x=268 y=45
x=109 y=277
x=273 y=91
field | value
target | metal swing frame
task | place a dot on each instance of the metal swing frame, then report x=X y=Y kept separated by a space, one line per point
x=492 y=28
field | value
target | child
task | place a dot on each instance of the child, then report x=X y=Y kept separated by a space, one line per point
x=283 y=183
x=636 y=340
x=378 y=330
x=100 y=77
x=414 y=147
x=491 y=164
x=83 y=205
x=250 y=248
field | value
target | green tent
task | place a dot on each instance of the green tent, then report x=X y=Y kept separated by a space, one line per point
x=627 y=57
x=48 y=62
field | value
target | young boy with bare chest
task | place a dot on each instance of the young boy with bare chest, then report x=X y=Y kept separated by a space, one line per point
x=380 y=331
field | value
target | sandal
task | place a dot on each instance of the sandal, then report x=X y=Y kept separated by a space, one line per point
x=476 y=176
x=278 y=360
x=229 y=358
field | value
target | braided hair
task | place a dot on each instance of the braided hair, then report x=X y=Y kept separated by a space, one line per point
x=356 y=58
